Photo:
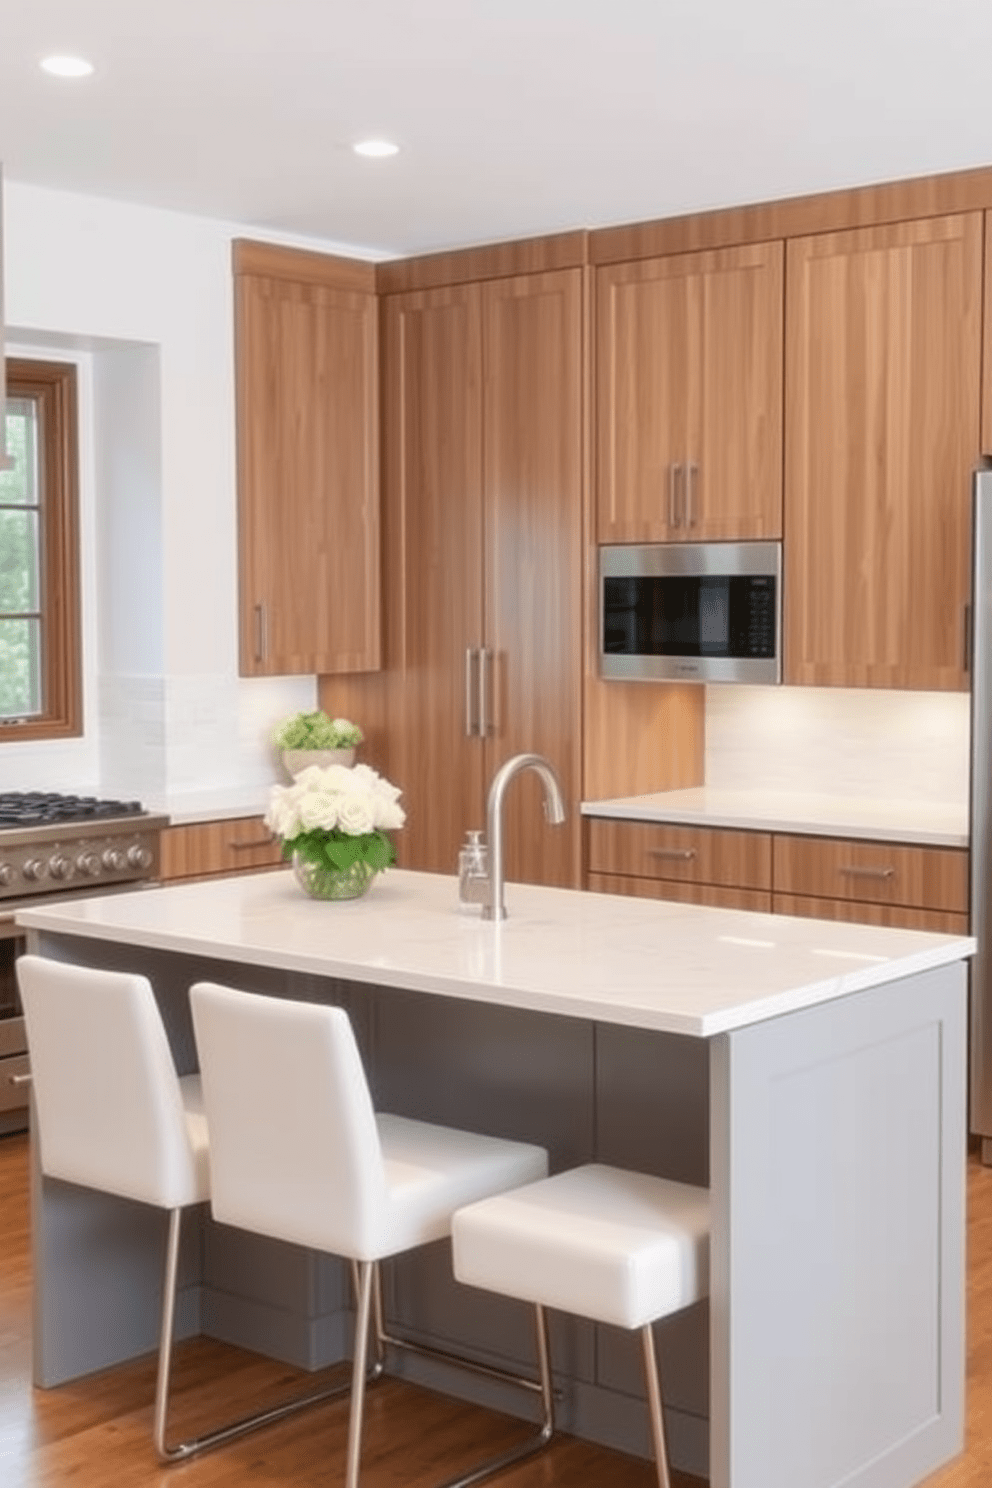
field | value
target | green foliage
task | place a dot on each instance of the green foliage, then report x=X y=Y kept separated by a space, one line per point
x=316 y=731
x=337 y=851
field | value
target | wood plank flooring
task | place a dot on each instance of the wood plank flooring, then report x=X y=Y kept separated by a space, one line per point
x=96 y=1433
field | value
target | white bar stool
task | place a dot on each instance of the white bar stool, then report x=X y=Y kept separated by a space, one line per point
x=122 y=1121
x=298 y=1153
x=606 y=1244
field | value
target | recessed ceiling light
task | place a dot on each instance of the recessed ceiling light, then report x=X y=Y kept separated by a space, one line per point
x=66 y=67
x=377 y=148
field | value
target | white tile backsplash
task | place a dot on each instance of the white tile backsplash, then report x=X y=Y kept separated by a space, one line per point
x=839 y=741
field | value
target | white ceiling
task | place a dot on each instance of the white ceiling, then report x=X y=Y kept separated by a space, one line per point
x=515 y=117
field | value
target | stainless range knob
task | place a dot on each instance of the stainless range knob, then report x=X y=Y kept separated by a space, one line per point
x=7 y=875
x=114 y=859
x=34 y=868
x=61 y=867
x=89 y=863
x=139 y=857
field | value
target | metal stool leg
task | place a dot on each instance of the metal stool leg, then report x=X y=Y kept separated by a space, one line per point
x=654 y=1406
x=533 y=1444
x=366 y=1272
x=224 y=1433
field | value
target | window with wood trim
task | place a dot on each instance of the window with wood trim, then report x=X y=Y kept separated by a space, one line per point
x=40 y=661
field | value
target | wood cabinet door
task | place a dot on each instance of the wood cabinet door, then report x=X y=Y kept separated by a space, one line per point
x=689 y=396
x=646 y=319
x=432 y=363
x=532 y=478
x=308 y=479
x=883 y=358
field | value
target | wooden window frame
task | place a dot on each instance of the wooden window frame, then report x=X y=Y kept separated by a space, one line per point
x=53 y=384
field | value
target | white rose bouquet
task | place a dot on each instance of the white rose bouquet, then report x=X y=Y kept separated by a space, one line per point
x=337 y=817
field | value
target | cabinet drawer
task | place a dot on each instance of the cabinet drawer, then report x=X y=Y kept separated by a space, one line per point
x=900 y=916
x=759 y=901
x=218 y=847
x=681 y=854
x=872 y=872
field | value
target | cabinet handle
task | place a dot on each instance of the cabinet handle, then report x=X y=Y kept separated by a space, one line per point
x=683 y=854
x=471 y=722
x=691 y=482
x=674 y=505
x=261 y=634
x=854 y=871
x=249 y=842
x=485 y=656
x=20 y=1079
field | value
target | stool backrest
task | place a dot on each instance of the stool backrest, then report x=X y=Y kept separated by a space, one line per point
x=294 y=1149
x=106 y=1094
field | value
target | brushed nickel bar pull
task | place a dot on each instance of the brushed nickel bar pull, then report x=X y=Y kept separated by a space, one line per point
x=250 y=842
x=484 y=720
x=673 y=510
x=854 y=871
x=261 y=634
x=20 y=1079
x=471 y=724
x=683 y=854
x=691 y=480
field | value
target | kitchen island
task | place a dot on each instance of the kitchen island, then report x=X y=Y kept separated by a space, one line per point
x=812 y=1073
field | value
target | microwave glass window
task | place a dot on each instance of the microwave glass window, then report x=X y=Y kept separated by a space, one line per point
x=701 y=615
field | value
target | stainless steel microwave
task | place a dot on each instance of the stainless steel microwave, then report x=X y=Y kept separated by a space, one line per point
x=691 y=612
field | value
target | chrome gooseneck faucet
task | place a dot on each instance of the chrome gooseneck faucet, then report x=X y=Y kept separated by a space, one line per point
x=554 y=810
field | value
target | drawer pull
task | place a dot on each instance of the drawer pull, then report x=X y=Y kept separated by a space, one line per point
x=858 y=872
x=20 y=1079
x=250 y=842
x=683 y=854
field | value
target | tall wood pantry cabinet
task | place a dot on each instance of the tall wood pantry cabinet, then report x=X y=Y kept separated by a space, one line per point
x=883 y=363
x=482 y=413
x=689 y=396
x=306 y=342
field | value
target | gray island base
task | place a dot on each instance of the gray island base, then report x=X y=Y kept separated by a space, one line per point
x=811 y=1073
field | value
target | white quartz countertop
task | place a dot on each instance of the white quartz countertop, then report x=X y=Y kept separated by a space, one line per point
x=928 y=823
x=644 y=963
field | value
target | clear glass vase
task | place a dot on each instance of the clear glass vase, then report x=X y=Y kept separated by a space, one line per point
x=331 y=883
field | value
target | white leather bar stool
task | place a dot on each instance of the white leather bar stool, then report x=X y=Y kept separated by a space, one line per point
x=298 y=1153
x=614 y=1246
x=122 y=1121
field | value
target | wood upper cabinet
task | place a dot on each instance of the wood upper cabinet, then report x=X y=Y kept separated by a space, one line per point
x=483 y=511
x=308 y=478
x=689 y=396
x=883 y=357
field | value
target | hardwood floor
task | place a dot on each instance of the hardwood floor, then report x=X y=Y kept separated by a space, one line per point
x=95 y=1433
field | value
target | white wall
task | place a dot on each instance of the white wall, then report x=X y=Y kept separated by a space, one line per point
x=143 y=299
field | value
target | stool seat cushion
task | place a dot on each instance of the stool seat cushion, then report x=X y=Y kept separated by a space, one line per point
x=191 y=1091
x=600 y=1242
x=433 y=1170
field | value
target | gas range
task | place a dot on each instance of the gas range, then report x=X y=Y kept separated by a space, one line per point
x=51 y=843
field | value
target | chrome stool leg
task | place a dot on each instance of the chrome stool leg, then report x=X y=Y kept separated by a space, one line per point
x=214 y=1438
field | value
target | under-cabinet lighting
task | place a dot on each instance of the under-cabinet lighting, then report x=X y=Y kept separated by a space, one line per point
x=376 y=149
x=66 y=67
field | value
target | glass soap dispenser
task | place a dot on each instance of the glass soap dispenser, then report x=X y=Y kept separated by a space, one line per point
x=473 y=871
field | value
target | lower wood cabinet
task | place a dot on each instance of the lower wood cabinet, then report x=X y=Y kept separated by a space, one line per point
x=203 y=849
x=875 y=883
x=694 y=865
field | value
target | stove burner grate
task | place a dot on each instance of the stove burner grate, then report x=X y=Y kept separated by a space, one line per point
x=46 y=808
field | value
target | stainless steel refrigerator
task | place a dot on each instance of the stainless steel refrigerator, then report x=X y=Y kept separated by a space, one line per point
x=981 y=812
